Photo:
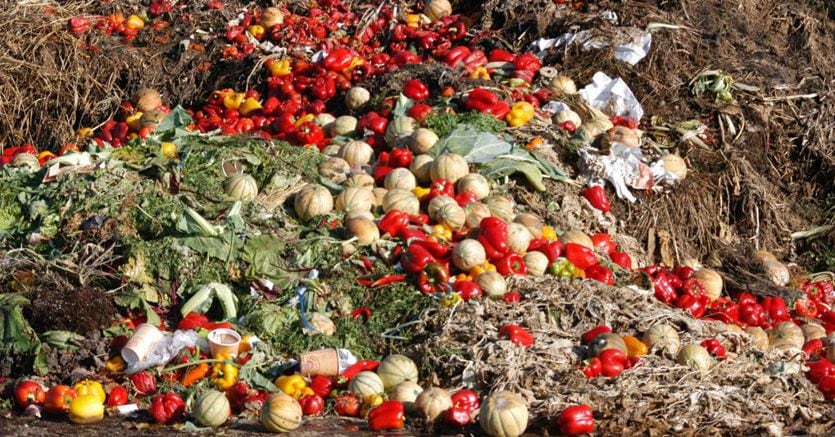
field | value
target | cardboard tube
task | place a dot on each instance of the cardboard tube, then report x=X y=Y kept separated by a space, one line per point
x=321 y=362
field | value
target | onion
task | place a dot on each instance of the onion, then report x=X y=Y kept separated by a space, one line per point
x=675 y=165
x=777 y=272
x=537 y=263
x=758 y=337
x=563 y=85
x=518 y=237
x=531 y=222
x=712 y=282
x=468 y=254
x=365 y=230
x=493 y=284
x=576 y=237
x=432 y=402
x=695 y=356
x=356 y=97
x=663 y=338
x=271 y=16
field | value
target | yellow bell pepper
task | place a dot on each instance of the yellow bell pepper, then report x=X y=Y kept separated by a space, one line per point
x=549 y=233
x=84 y=132
x=224 y=374
x=246 y=344
x=442 y=232
x=450 y=300
x=369 y=403
x=169 y=150
x=86 y=409
x=478 y=270
x=46 y=155
x=134 y=121
x=234 y=100
x=134 y=22
x=304 y=119
x=420 y=192
x=413 y=20
x=634 y=347
x=279 y=68
x=355 y=62
x=249 y=105
x=257 y=31
x=520 y=114
x=92 y=388
x=463 y=277
x=293 y=385
x=480 y=73
x=115 y=364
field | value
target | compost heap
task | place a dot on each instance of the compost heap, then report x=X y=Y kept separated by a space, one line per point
x=563 y=207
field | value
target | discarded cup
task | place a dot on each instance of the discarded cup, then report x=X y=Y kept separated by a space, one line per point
x=325 y=362
x=143 y=342
x=224 y=341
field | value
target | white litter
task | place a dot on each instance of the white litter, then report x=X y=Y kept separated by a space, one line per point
x=612 y=96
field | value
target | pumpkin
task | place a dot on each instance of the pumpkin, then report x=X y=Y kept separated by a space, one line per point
x=776 y=272
x=493 y=284
x=474 y=183
x=518 y=238
x=531 y=222
x=449 y=167
x=211 y=409
x=147 y=99
x=786 y=336
x=356 y=97
x=711 y=281
x=537 y=263
x=335 y=170
x=400 y=178
x=397 y=369
x=359 y=180
x=271 y=16
x=313 y=200
x=420 y=166
x=503 y=414
x=576 y=237
x=436 y=204
x=406 y=392
x=363 y=229
x=467 y=254
x=343 y=125
x=399 y=131
x=27 y=160
x=500 y=207
x=475 y=213
x=759 y=338
x=452 y=215
x=812 y=331
x=563 y=85
x=432 y=402
x=356 y=153
x=663 y=338
x=568 y=115
x=437 y=9
x=355 y=199
x=623 y=135
x=422 y=140
x=607 y=341
x=366 y=383
x=281 y=413
x=695 y=356
x=675 y=165
x=401 y=200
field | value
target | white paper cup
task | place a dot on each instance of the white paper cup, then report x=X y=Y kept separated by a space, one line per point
x=224 y=341
x=143 y=341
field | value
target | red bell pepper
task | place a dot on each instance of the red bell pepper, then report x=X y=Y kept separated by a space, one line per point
x=400 y=158
x=465 y=198
x=29 y=393
x=492 y=234
x=664 y=291
x=416 y=90
x=714 y=348
x=338 y=59
x=312 y=405
x=776 y=309
x=433 y=279
x=512 y=264
x=576 y=420
x=683 y=272
x=355 y=369
x=552 y=250
x=752 y=314
x=416 y=258
x=579 y=255
x=827 y=387
x=512 y=297
x=475 y=59
x=527 y=62
x=806 y=309
x=724 y=310
x=517 y=335
x=419 y=111
x=380 y=173
x=813 y=347
x=436 y=249
x=310 y=133
x=193 y=321
x=591 y=334
x=388 y=416
x=457 y=416
x=480 y=99
x=601 y=274
x=603 y=242
x=819 y=369
x=467 y=289
x=79 y=25
x=144 y=383
x=746 y=298
x=440 y=187
x=167 y=407
x=697 y=306
x=372 y=121
x=596 y=195
x=613 y=362
x=237 y=395
x=118 y=396
x=499 y=55
x=466 y=398
x=456 y=55
x=622 y=259
x=593 y=368
x=393 y=222
x=321 y=385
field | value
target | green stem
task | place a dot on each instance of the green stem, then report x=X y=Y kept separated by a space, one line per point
x=191 y=363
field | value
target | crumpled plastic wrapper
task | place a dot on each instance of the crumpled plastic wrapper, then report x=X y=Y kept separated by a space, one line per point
x=612 y=96
x=623 y=167
x=629 y=44
x=165 y=350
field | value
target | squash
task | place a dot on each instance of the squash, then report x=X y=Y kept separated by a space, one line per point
x=422 y=140
x=475 y=213
x=518 y=237
x=452 y=215
x=663 y=338
x=503 y=414
x=281 y=413
x=437 y=9
x=343 y=125
x=379 y=195
x=335 y=170
x=696 y=357
x=399 y=131
x=474 y=183
x=241 y=187
x=500 y=207
x=537 y=263
x=576 y=237
x=607 y=341
x=359 y=180
x=531 y=222
x=212 y=409
x=468 y=253
x=313 y=200
x=147 y=99
x=420 y=166
x=711 y=281
x=400 y=178
x=786 y=336
x=363 y=229
x=436 y=204
x=355 y=199
x=271 y=16
x=493 y=284
x=366 y=383
x=356 y=153
x=759 y=338
x=449 y=167
x=406 y=392
x=356 y=97
x=401 y=200
x=432 y=402
x=397 y=369
x=563 y=85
